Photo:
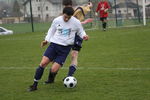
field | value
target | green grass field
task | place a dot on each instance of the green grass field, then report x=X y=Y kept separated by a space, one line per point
x=113 y=65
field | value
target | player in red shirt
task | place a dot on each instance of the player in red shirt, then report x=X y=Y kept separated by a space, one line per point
x=102 y=9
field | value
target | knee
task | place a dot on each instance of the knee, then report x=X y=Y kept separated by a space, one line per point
x=44 y=62
x=55 y=67
x=74 y=54
x=54 y=70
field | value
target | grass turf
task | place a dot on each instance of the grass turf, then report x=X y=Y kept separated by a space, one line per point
x=113 y=65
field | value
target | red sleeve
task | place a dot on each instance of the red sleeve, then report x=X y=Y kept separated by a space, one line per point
x=98 y=7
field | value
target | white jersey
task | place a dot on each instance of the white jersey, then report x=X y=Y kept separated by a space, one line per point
x=63 y=33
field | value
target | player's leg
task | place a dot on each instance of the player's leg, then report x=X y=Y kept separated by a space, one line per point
x=102 y=20
x=74 y=55
x=53 y=72
x=74 y=62
x=104 y=23
x=39 y=72
x=46 y=59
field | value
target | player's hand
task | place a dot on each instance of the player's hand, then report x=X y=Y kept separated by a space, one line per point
x=86 y=37
x=96 y=14
x=90 y=4
x=106 y=10
x=43 y=43
x=89 y=20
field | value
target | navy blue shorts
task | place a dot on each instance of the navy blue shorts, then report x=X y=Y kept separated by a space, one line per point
x=77 y=43
x=57 y=53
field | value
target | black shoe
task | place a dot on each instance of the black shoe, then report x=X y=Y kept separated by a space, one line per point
x=49 y=81
x=64 y=78
x=32 y=88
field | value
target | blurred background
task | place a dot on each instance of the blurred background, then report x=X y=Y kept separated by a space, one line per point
x=24 y=16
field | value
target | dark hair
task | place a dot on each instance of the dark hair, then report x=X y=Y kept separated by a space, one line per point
x=67 y=2
x=68 y=10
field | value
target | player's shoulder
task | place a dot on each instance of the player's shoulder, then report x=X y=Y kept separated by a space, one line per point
x=58 y=18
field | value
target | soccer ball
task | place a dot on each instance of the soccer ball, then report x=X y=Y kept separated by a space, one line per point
x=70 y=82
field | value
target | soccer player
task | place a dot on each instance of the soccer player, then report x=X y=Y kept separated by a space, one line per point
x=79 y=13
x=102 y=8
x=61 y=38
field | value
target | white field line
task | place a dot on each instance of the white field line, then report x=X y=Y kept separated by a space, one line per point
x=80 y=68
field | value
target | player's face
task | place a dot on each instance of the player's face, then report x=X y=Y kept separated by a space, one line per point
x=66 y=17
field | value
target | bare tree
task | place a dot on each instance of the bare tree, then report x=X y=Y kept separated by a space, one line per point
x=16 y=9
x=42 y=5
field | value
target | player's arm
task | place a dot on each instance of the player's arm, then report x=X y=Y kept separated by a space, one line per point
x=82 y=33
x=87 y=21
x=97 y=9
x=50 y=33
x=90 y=4
x=106 y=10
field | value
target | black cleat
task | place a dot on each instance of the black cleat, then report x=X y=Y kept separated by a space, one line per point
x=49 y=81
x=64 y=78
x=32 y=88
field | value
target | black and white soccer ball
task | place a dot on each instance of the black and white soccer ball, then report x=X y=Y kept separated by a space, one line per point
x=70 y=82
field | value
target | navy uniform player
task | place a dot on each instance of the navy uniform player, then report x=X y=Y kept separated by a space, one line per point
x=79 y=13
x=61 y=38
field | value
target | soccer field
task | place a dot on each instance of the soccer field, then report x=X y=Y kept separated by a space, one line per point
x=113 y=65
